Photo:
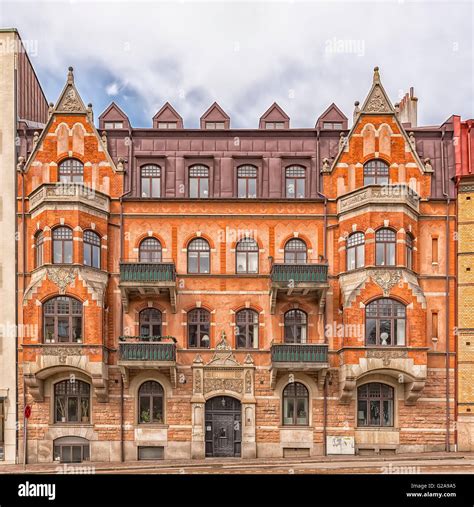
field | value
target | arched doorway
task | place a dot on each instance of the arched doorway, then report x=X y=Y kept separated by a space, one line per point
x=223 y=427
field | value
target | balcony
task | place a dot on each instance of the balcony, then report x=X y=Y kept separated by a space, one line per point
x=293 y=357
x=379 y=195
x=289 y=279
x=140 y=352
x=147 y=278
x=65 y=195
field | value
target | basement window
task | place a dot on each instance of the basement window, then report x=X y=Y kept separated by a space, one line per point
x=71 y=450
x=150 y=453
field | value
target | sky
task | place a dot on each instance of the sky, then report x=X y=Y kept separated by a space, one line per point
x=246 y=55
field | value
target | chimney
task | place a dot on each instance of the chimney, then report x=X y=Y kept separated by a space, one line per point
x=409 y=109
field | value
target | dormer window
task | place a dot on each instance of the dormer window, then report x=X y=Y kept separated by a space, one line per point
x=113 y=124
x=214 y=125
x=272 y=125
x=331 y=125
x=170 y=125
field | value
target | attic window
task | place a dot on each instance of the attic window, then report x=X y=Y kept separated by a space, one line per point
x=167 y=125
x=331 y=125
x=113 y=125
x=272 y=125
x=214 y=125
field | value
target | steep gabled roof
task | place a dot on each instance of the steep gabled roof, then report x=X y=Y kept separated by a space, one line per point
x=274 y=113
x=378 y=103
x=113 y=113
x=68 y=103
x=215 y=113
x=332 y=114
x=167 y=114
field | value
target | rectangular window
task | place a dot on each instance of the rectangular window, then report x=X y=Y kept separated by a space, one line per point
x=434 y=250
x=332 y=125
x=150 y=453
x=113 y=125
x=272 y=125
x=214 y=125
x=434 y=325
x=167 y=125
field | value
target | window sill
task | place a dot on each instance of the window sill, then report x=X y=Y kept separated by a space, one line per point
x=71 y=424
x=160 y=426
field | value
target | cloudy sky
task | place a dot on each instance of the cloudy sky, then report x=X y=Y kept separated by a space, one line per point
x=246 y=55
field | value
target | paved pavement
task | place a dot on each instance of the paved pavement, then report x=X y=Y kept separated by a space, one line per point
x=433 y=463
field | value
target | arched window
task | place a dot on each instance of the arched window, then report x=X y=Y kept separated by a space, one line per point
x=385 y=245
x=199 y=328
x=296 y=326
x=295 y=177
x=71 y=170
x=150 y=322
x=62 y=245
x=246 y=257
x=355 y=250
x=247 y=181
x=385 y=322
x=71 y=401
x=409 y=250
x=150 y=403
x=71 y=450
x=92 y=249
x=39 y=252
x=295 y=405
x=62 y=320
x=375 y=172
x=296 y=251
x=199 y=255
x=150 y=250
x=199 y=181
x=247 y=329
x=375 y=405
x=150 y=177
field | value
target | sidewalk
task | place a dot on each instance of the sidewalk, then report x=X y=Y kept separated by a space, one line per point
x=218 y=463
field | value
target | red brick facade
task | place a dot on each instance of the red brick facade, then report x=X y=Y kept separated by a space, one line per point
x=331 y=356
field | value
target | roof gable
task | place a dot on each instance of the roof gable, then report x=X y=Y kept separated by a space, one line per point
x=274 y=114
x=215 y=114
x=332 y=114
x=113 y=113
x=167 y=114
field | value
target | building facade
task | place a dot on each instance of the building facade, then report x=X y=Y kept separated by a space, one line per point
x=465 y=179
x=22 y=104
x=237 y=292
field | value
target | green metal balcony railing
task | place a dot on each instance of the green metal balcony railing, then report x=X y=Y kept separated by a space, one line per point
x=299 y=353
x=150 y=348
x=143 y=272
x=299 y=273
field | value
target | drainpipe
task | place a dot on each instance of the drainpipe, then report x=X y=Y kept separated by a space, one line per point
x=447 y=351
x=127 y=192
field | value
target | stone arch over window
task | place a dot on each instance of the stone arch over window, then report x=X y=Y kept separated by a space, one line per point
x=375 y=405
x=71 y=170
x=199 y=256
x=296 y=405
x=199 y=328
x=91 y=246
x=296 y=251
x=63 y=320
x=355 y=251
x=376 y=172
x=246 y=256
x=62 y=245
x=72 y=401
x=150 y=321
x=151 y=398
x=150 y=250
x=385 y=323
